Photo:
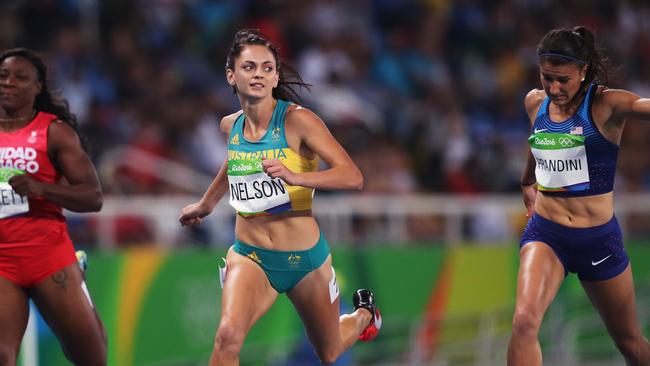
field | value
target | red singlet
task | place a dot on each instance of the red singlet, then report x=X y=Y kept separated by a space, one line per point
x=34 y=241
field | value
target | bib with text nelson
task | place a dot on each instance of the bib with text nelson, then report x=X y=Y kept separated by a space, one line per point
x=253 y=192
x=561 y=161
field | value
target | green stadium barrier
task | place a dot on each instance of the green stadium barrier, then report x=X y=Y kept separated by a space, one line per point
x=162 y=307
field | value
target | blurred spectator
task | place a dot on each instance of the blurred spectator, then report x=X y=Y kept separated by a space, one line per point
x=434 y=88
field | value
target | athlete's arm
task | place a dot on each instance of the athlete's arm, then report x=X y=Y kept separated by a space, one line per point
x=532 y=102
x=193 y=214
x=625 y=104
x=314 y=135
x=528 y=188
x=82 y=193
x=615 y=106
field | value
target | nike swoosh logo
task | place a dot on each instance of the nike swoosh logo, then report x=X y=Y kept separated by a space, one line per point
x=542 y=130
x=378 y=322
x=600 y=261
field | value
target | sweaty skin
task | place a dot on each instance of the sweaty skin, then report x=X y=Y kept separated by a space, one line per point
x=254 y=75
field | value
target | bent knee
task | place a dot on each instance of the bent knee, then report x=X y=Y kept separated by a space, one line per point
x=526 y=323
x=86 y=350
x=328 y=358
x=88 y=356
x=228 y=338
x=7 y=355
x=631 y=347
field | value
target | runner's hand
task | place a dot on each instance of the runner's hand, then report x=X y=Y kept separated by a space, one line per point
x=192 y=215
x=26 y=186
x=275 y=169
x=530 y=194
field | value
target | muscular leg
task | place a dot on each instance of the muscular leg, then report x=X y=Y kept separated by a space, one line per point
x=14 y=313
x=330 y=334
x=246 y=296
x=540 y=276
x=615 y=301
x=65 y=307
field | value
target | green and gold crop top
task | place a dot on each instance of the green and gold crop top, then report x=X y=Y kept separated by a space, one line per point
x=253 y=192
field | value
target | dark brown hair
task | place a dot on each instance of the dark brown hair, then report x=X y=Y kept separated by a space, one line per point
x=578 y=46
x=289 y=77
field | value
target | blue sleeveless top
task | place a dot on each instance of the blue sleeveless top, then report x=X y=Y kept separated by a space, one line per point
x=601 y=153
x=253 y=192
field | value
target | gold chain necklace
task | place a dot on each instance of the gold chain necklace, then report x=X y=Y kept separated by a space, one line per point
x=19 y=119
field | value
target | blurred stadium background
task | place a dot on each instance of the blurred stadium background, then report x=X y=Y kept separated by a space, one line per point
x=426 y=96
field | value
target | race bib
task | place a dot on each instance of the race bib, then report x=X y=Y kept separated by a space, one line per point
x=561 y=161
x=251 y=190
x=11 y=203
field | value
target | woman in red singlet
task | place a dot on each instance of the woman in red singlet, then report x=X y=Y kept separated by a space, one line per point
x=43 y=168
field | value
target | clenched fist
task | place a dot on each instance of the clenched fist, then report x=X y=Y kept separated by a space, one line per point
x=26 y=186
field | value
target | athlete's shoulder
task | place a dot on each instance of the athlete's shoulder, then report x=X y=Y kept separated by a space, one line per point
x=61 y=134
x=614 y=104
x=300 y=117
x=534 y=98
x=532 y=102
x=58 y=128
x=228 y=121
x=615 y=97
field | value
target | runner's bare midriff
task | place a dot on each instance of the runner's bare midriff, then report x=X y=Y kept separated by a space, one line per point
x=576 y=212
x=295 y=230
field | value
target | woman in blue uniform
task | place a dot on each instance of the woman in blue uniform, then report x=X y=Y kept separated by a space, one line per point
x=270 y=174
x=576 y=127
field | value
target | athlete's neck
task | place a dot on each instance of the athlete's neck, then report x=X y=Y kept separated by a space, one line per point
x=13 y=120
x=563 y=112
x=258 y=114
x=570 y=108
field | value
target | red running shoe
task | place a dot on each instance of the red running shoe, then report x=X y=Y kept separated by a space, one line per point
x=363 y=299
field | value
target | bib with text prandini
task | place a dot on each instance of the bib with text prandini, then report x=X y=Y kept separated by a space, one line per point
x=253 y=192
x=560 y=161
x=11 y=203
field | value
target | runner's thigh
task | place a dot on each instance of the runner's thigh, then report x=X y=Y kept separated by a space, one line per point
x=14 y=313
x=318 y=309
x=66 y=306
x=247 y=293
x=615 y=301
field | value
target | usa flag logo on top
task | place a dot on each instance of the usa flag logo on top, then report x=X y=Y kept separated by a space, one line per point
x=576 y=130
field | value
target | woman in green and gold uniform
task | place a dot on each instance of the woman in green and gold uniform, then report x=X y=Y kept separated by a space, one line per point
x=271 y=174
